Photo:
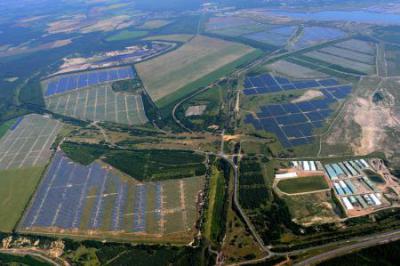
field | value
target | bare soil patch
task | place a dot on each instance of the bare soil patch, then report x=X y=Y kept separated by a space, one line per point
x=308 y=95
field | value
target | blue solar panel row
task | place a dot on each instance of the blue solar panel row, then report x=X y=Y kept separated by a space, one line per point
x=294 y=123
x=82 y=80
x=19 y=120
x=267 y=83
x=63 y=194
x=139 y=213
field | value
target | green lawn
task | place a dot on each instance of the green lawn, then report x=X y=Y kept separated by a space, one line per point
x=127 y=35
x=16 y=188
x=302 y=184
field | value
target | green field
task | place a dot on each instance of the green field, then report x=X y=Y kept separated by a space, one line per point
x=154 y=24
x=127 y=35
x=302 y=184
x=197 y=63
x=16 y=188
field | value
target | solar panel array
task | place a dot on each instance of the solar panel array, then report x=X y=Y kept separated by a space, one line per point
x=294 y=123
x=76 y=81
x=28 y=142
x=76 y=197
x=267 y=83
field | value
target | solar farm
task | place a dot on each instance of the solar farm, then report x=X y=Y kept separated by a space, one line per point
x=89 y=96
x=355 y=55
x=293 y=123
x=67 y=83
x=97 y=201
x=99 y=103
x=233 y=26
x=28 y=142
x=277 y=36
x=316 y=35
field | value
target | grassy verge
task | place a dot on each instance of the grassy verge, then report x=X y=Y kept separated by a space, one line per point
x=215 y=221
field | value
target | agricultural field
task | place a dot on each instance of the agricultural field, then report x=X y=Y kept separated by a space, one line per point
x=28 y=142
x=99 y=103
x=127 y=35
x=16 y=188
x=97 y=201
x=302 y=184
x=175 y=71
x=154 y=24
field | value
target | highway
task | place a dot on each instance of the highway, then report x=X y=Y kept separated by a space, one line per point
x=361 y=243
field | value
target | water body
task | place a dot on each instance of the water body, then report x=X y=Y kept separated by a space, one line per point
x=355 y=16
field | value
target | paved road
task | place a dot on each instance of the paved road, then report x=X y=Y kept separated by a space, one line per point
x=361 y=243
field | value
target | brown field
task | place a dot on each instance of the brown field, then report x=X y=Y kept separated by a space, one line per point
x=168 y=73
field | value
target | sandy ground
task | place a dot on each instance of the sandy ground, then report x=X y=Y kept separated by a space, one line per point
x=195 y=110
x=373 y=122
x=372 y=132
x=308 y=95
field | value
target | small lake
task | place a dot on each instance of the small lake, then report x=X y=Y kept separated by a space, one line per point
x=355 y=16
